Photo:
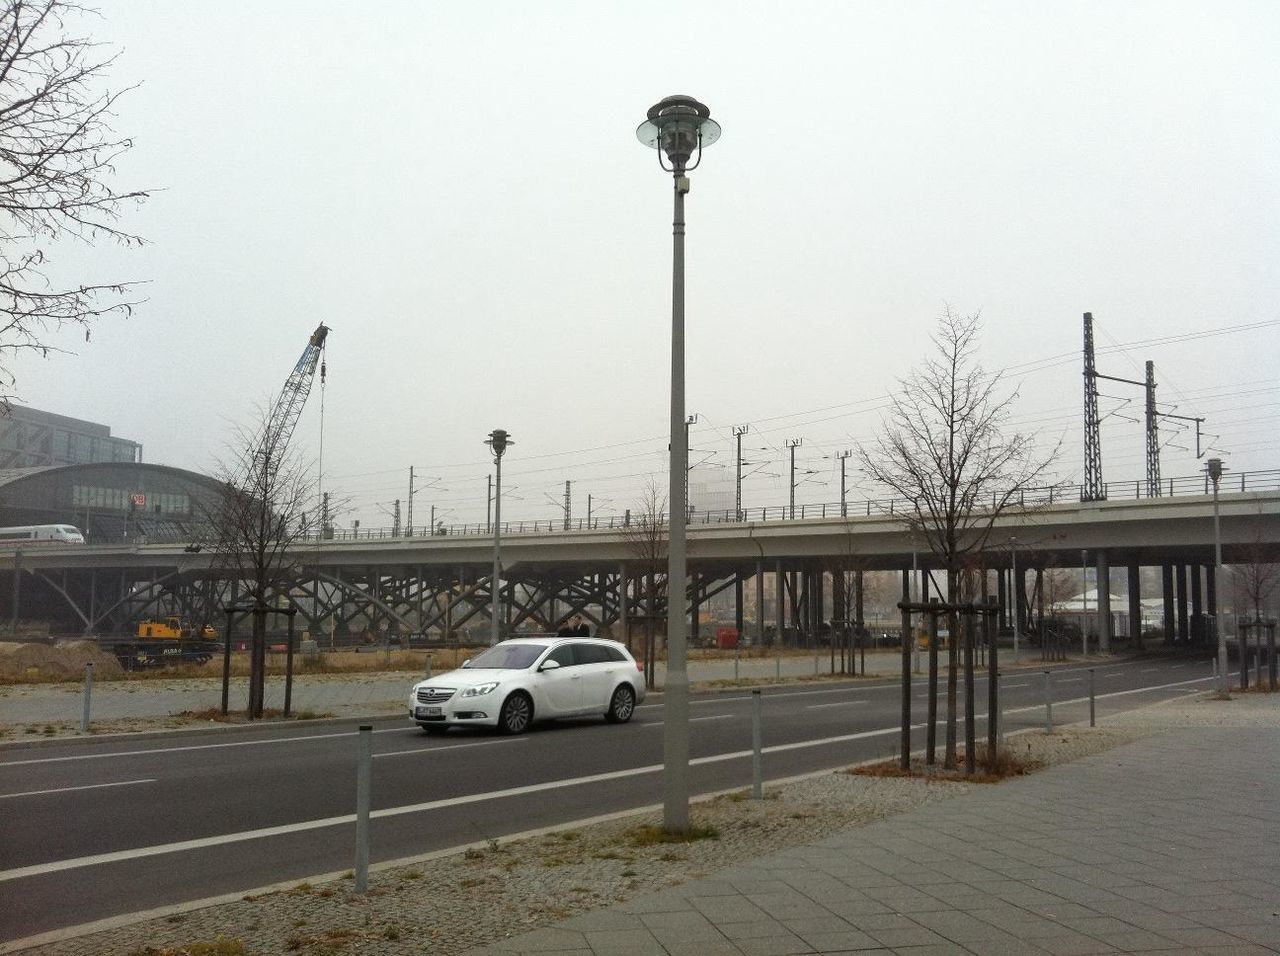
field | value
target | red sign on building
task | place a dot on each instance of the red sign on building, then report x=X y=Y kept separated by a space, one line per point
x=138 y=500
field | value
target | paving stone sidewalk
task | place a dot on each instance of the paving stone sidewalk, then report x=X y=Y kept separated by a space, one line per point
x=1167 y=845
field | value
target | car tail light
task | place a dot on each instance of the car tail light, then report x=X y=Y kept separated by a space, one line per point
x=639 y=667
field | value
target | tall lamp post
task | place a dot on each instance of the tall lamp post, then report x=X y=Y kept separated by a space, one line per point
x=497 y=441
x=679 y=127
x=1213 y=467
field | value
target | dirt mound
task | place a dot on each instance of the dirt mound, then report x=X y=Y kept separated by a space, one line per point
x=45 y=661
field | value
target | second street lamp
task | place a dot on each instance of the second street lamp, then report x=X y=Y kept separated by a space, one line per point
x=679 y=127
x=498 y=441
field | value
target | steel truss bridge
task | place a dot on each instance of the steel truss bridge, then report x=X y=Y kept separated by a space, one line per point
x=792 y=564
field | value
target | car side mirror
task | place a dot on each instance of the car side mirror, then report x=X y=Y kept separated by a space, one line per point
x=549 y=665
x=467 y=662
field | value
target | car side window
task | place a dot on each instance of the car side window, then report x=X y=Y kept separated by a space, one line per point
x=563 y=655
x=592 y=653
x=615 y=654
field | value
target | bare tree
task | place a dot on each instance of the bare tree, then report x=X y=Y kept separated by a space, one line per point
x=256 y=524
x=646 y=535
x=57 y=159
x=1256 y=577
x=944 y=447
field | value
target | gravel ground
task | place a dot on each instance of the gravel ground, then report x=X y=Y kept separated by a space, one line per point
x=488 y=892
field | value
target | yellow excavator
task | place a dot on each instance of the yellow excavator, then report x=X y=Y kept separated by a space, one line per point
x=175 y=629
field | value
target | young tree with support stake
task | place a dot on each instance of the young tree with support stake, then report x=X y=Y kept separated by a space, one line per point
x=945 y=449
x=57 y=161
x=646 y=535
x=261 y=514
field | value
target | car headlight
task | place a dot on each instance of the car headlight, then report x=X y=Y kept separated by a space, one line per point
x=479 y=690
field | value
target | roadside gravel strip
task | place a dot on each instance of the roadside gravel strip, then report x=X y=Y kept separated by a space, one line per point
x=448 y=902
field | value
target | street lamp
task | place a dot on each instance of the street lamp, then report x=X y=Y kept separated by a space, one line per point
x=677 y=126
x=497 y=441
x=1213 y=467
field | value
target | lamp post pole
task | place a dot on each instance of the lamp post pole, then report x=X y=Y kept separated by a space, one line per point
x=738 y=432
x=677 y=126
x=1214 y=469
x=498 y=441
x=1084 y=597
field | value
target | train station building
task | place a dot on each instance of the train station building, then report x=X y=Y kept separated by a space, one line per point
x=110 y=502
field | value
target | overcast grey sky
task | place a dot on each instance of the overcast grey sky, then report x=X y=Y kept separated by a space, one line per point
x=456 y=189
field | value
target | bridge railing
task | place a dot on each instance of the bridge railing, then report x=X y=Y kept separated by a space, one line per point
x=1252 y=481
x=1245 y=481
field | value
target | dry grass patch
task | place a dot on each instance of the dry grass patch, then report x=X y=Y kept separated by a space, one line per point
x=991 y=768
x=650 y=835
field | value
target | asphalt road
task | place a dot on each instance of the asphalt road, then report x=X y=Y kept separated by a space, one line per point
x=96 y=829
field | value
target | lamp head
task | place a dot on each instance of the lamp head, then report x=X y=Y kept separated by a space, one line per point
x=1214 y=467
x=678 y=125
x=498 y=440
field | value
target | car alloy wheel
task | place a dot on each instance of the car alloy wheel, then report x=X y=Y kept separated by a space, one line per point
x=621 y=706
x=516 y=714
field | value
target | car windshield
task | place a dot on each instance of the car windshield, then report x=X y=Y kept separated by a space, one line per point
x=507 y=657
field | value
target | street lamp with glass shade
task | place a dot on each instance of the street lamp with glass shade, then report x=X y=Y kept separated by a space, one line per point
x=498 y=441
x=678 y=127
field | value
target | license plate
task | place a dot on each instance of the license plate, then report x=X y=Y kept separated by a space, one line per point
x=427 y=712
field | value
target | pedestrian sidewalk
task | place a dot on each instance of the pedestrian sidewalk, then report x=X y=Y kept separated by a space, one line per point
x=1167 y=845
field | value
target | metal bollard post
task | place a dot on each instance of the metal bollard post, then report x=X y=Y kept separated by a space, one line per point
x=815 y=658
x=428 y=667
x=757 y=767
x=88 y=693
x=777 y=667
x=1093 y=721
x=364 y=763
x=1048 y=704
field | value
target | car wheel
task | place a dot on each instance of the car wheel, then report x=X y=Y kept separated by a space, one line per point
x=516 y=713
x=621 y=706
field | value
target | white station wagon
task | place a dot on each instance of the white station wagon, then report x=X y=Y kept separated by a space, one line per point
x=516 y=682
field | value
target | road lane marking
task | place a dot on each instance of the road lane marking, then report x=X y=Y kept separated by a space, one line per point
x=289 y=828
x=88 y=786
x=168 y=750
x=432 y=750
x=1010 y=686
x=839 y=703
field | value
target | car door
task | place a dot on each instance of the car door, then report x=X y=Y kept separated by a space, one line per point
x=562 y=686
x=597 y=666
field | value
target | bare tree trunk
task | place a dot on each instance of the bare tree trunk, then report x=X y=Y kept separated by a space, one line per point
x=257 y=661
x=949 y=754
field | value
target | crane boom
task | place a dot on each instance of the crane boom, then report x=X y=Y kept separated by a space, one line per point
x=284 y=413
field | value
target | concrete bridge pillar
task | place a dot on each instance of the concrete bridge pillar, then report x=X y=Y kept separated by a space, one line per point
x=780 y=602
x=696 y=581
x=760 y=603
x=1002 y=598
x=1103 y=579
x=1135 y=606
x=1210 y=590
x=1184 y=631
x=857 y=599
x=1166 y=592
x=1197 y=605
